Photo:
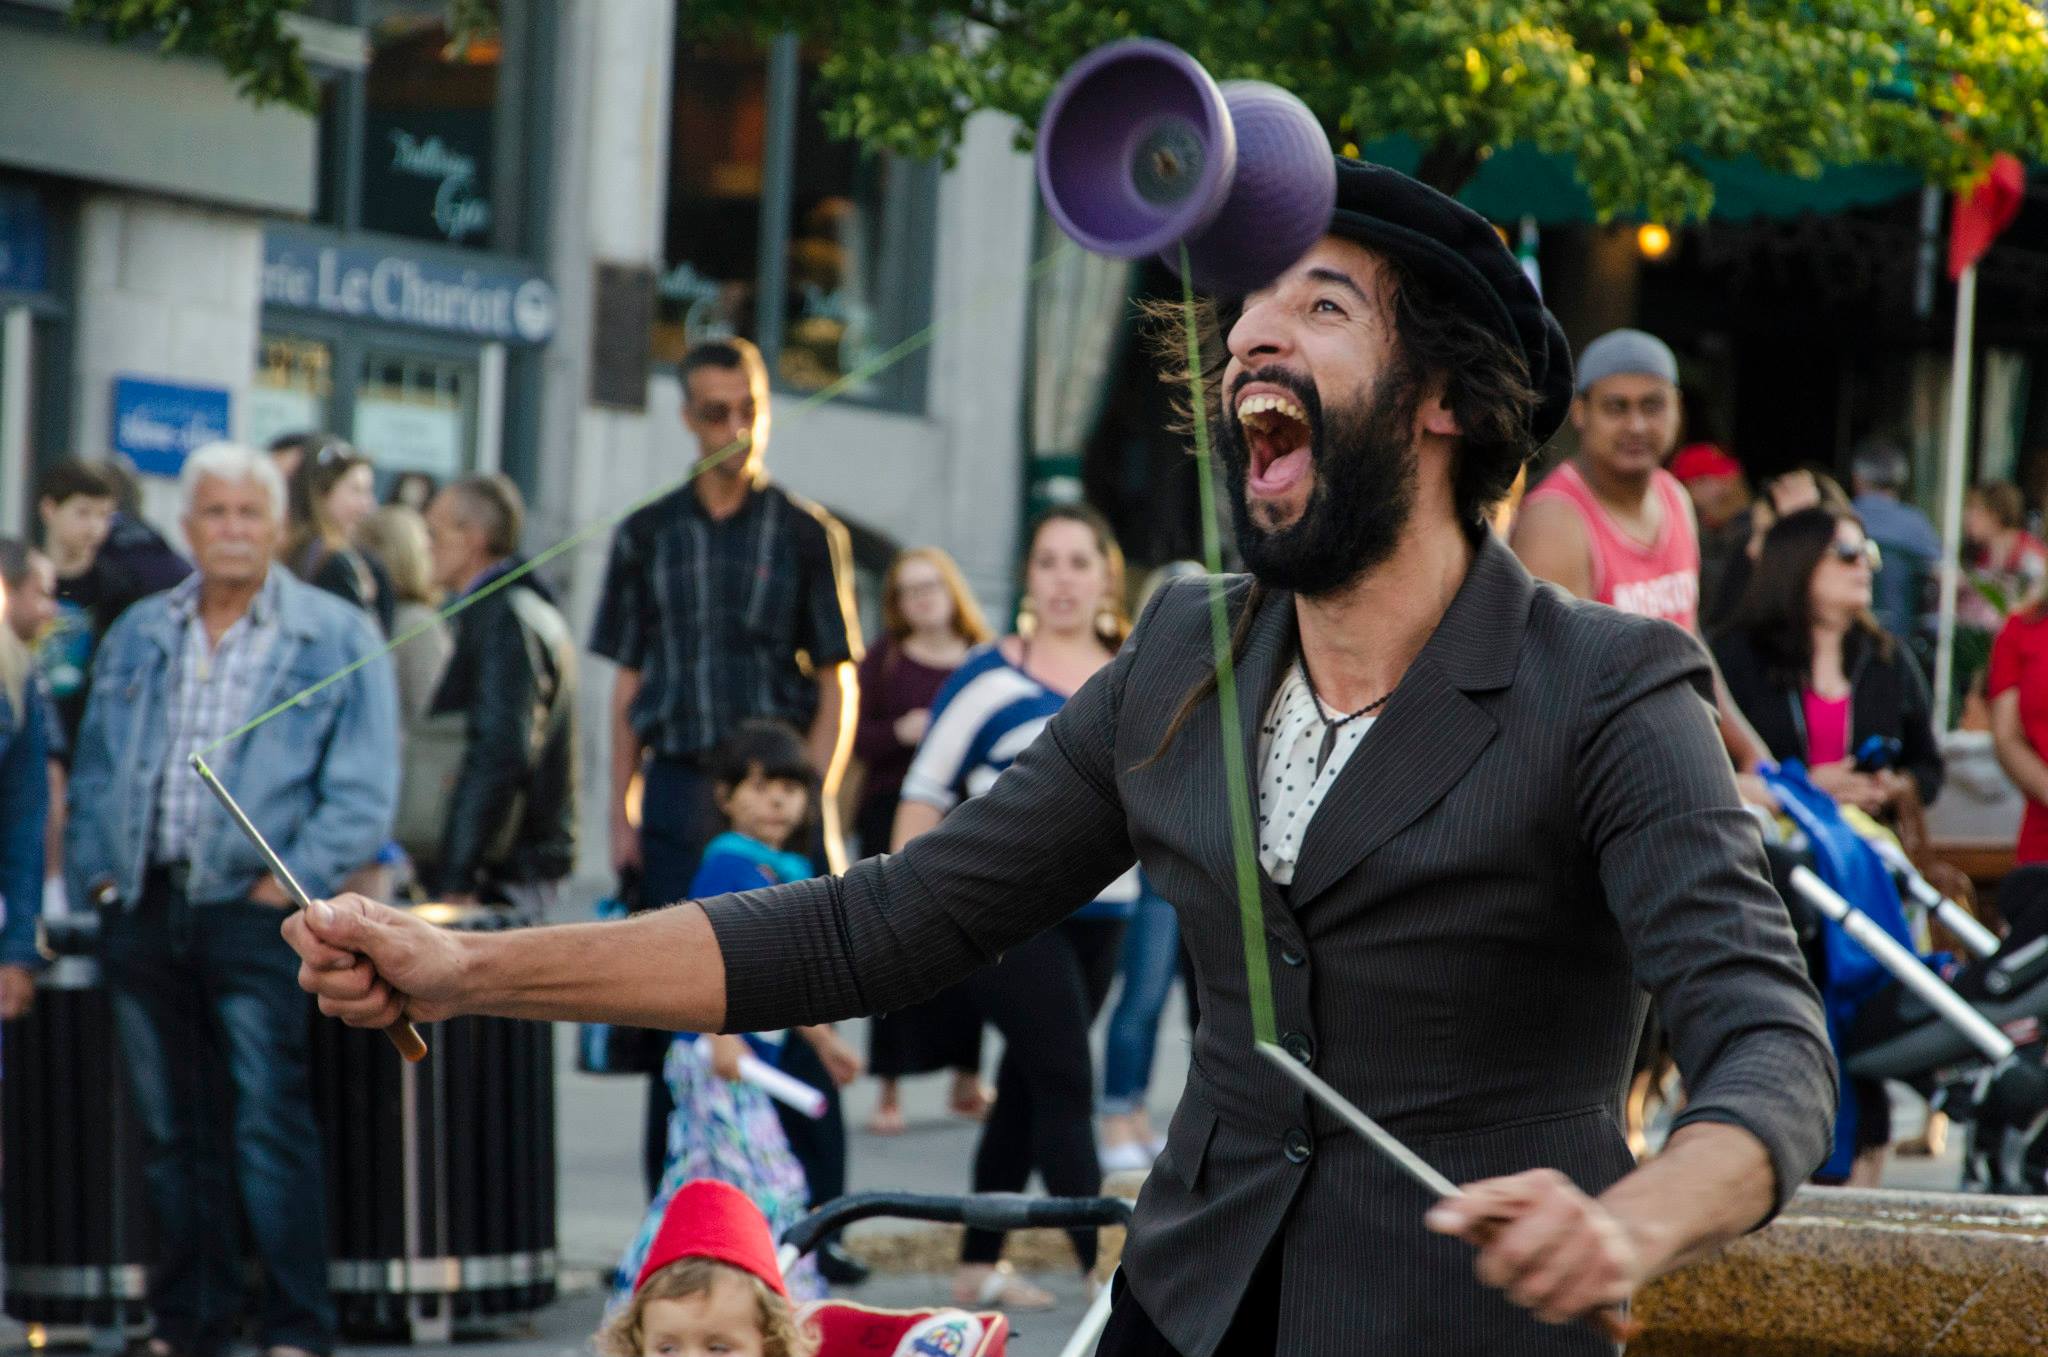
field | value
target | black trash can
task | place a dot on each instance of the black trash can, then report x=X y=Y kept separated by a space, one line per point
x=440 y=1175
x=78 y=1239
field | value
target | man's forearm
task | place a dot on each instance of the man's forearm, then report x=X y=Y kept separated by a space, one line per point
x=830 y=741
x=1711 y=1183
x=662 y=969
x=2026 y=768
x=1745 y=748
x=627 y=750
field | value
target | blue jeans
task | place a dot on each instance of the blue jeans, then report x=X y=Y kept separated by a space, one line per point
x=214 y=1035
x=1151 y=956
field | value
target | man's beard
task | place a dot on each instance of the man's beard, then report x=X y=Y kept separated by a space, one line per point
x=1363 y=457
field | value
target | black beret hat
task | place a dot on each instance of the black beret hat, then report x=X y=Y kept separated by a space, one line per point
x=1457 y=252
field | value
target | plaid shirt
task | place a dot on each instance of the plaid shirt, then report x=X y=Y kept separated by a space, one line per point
x=212 y=692
x=726 y=619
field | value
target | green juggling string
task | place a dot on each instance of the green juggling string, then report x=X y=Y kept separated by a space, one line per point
x=873 y=366
x=1257 y=968
x=1251 y=915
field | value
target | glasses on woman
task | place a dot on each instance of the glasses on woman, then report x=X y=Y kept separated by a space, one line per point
x=920 y=589
x=1864 y=550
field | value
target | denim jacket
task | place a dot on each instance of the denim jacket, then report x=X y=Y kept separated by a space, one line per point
x=24 y=804
x=320 y=780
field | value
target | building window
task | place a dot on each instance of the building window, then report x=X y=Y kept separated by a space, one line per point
x=429 y=140
x=292 y=390
x=815 y=248
x=430 y=123
x=416 y=412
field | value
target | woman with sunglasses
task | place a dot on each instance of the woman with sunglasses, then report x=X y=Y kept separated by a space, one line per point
x=1815 y=673
x=1818 y=677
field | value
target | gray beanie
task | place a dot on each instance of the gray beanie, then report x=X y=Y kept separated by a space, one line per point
x=1626 y=351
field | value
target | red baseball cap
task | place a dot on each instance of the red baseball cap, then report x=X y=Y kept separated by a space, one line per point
x=710 y=1219
x=1703 y=461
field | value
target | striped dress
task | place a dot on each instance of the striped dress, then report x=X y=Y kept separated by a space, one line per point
x=987 y=714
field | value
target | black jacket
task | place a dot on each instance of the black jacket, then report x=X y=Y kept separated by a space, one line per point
x=355 y=576
x=514 y=672
x=1887 y=696
x=142 y=553
x=1540 y=827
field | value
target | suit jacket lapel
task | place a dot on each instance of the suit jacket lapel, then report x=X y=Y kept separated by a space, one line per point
x=1431 y=731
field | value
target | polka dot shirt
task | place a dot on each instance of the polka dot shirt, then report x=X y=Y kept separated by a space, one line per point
x=1290 y=788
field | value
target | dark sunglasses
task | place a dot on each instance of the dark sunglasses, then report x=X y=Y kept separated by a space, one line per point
x=332 y=451
x=1848 y=553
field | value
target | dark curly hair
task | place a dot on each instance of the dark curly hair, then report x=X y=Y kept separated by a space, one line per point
x=1485 y=382
x=1485 y=385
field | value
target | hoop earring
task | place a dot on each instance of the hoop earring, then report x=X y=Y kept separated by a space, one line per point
x=1106 y=621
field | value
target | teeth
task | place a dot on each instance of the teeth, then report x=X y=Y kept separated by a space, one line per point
x=1263 y=403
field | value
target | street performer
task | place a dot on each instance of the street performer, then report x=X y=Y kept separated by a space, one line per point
x=1489 y=817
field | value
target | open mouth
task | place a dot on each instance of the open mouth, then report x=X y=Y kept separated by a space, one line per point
x=1278 y=436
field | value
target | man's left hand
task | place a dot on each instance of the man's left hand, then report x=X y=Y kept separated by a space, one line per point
x=1552 y=1248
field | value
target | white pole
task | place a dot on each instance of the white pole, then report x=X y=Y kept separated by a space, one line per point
x=1908 y=969
x=490 y=410
x=16 y=333
x=1955 y=455
x=1082 y=1341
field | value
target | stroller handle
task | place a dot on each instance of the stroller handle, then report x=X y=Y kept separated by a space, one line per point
x=980 y=1211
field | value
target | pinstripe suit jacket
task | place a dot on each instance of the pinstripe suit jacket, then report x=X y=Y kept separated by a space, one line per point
x=1540 y=827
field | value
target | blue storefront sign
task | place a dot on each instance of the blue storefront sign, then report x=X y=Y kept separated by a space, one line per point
x=24 y=241
x=157 y=423
x=395 y=287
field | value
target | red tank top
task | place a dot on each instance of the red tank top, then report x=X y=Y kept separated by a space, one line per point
x=1661 y=579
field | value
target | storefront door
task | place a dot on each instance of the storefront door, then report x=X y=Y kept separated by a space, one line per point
x=409 y=402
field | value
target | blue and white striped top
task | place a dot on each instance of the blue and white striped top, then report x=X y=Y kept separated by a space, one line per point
x=987 y=713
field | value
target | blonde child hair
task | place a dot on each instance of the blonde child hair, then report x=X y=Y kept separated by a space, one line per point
x=781 y=1335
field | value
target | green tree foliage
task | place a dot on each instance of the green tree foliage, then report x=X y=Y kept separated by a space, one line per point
x=1636 y=92
x=248 y=38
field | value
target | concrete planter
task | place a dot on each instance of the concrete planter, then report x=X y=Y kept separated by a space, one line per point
x=1847 y=1272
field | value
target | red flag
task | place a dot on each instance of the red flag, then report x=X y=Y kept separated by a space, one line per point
x=1986 y=210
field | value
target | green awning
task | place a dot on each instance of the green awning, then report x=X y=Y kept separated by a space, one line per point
x=1523 y=181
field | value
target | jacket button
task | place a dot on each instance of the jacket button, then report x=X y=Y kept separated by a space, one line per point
x=1292 y=957
x=1299 y=1046
x=1297 y=1146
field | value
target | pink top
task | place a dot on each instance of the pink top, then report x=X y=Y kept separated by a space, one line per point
x=1827 y=728
x=1661 y=579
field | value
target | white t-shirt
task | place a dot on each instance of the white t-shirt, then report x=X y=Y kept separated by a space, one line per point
x=1290 y=788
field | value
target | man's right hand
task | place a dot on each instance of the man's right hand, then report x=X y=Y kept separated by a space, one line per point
x=625 y=846
x=370 y=964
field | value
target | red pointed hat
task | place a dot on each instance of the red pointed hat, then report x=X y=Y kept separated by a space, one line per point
x=709 y=1219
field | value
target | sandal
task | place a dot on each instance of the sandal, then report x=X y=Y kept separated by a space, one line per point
x=887 y=1121
x=1001 y=1288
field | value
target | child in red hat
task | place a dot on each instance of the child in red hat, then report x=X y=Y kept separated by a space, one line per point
x=710 y=1284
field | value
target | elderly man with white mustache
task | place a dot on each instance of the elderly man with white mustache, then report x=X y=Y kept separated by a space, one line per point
x=204 y=990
